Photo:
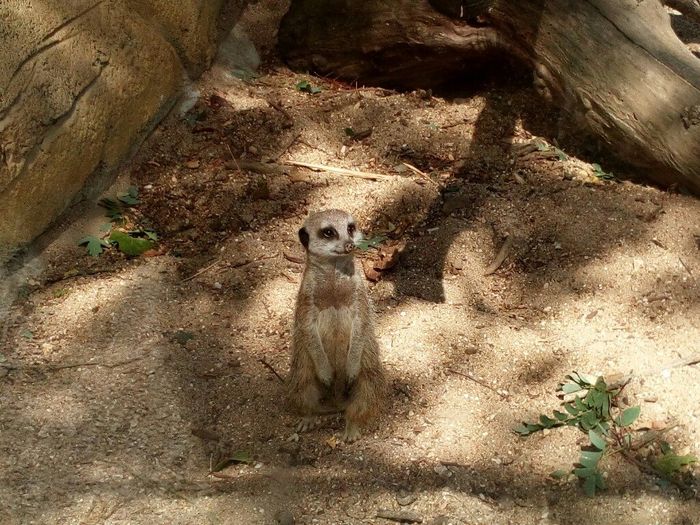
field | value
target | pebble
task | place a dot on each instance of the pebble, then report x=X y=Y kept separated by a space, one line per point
x=442 y=471
x=284 y=517
x=405 y=498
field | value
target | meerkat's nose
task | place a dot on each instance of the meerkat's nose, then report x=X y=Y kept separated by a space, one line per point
x=349 y=247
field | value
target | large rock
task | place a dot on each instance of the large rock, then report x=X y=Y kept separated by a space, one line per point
x=81 y=84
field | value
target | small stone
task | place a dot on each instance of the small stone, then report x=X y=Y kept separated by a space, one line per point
x=284 y=517
x=192 y=164
x=218 y=285
x=442 y=471
x=405 y=498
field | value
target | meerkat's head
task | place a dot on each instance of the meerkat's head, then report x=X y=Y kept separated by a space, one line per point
x=329 y=234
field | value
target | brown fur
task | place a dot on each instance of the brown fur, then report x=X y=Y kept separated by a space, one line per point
x=333 y=303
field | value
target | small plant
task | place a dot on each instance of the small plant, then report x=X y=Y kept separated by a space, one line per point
x=543 y=146
x=601 y=174
x=123 y=231
x=594 y=410
x=366 y=243
x=307 y=87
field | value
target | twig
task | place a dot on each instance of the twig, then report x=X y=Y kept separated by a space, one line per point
x=106 y=365
x=292 y=258
x=200 y=272
x=319 y=148
x=284 y=112
x=340 y=171
x=478 y=382
x=269 y=367
x=233 y=158
x=687 y=268
x=399 y=516
x=420 y=173
x=693 y=360
x=287 y=146
x=502 y=254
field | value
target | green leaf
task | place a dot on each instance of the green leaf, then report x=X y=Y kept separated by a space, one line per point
x=571 y=409
x=349 y=132
x=560 y=154
x=597 y=440
x=570 y=388
x=559 y=474
x=590 y=459
x=579 y=404
x=665 y=447
x=522 y=430
x=628 y=416
x=585 y=472
x=589 y=485
x=307 y=87
x=605 y=410
x=595 y=399
x=151 y=235
x=129 y=245
x=366 y=243
x=133 y=191
x=94 y=244
x=27 y=334
x=589 y=420
x=670 y=463
x=547 y=422
x=560 y=415
x=128 y=199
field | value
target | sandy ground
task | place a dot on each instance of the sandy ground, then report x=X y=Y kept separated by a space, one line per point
x=123 y=382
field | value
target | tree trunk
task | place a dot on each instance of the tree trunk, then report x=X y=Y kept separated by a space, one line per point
x=615 y=66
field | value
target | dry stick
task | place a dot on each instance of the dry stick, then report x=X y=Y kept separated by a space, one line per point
x=478 y=382
x=200 y=272
x=233 y=158
x=693 y=360
x=406 y=516
x=269 y=367
x=106 y=365
x=292 y=258
x=287 y=146
x=420 y=173
x=502 y=254
x=687 y=268
x=340 y=171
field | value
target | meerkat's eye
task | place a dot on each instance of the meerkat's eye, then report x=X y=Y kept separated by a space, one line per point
x=328 y=233
x=351 y=229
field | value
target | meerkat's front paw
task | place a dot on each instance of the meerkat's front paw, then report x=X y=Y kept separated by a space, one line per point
x=306 y=424
x=352 y=432
x=325 y=374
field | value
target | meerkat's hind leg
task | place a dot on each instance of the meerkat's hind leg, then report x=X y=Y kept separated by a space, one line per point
x=307 y=423
x=352 y=431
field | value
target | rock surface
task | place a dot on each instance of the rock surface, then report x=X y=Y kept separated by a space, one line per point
x=81 y=84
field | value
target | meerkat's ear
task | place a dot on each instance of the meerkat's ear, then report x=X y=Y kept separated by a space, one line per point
x=304 y=237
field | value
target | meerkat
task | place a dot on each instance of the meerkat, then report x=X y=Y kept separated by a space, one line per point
x=335 y=364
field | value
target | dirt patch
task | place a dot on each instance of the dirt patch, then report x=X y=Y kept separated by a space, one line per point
x=125 y=381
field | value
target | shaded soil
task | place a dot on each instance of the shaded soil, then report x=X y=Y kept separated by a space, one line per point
x=124 y=381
